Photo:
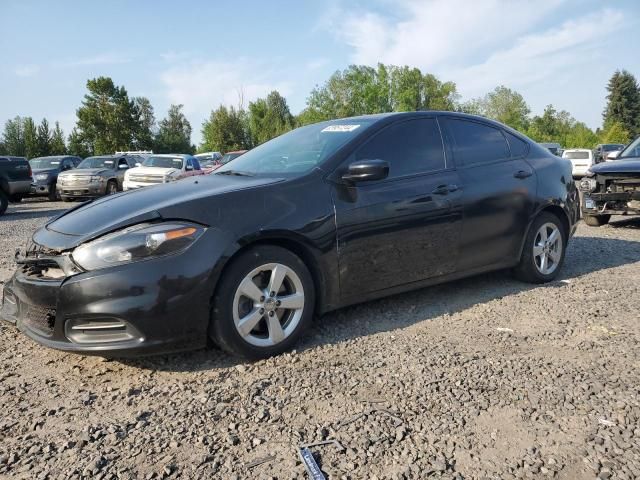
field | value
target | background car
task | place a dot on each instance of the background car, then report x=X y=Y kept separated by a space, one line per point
x=46 y=171
x=581 y=159
x=209 y=161
x=226 y=158
x=554 y=148
x=15 y=180
x=95 y=177
x=601 y=152
x=158 y=169
x=322 y=217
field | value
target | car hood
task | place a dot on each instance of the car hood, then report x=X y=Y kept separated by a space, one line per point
x=87 y=171
x=617 y=166
x=153 y=170
x=44 y=170
x=187 y=199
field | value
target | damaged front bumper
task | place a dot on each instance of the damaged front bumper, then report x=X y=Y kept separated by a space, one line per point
x=139 y=308
x=607 y=195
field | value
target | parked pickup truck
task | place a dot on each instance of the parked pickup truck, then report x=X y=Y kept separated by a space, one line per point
x=15 y=180
x=159 y=169
x=612 y=188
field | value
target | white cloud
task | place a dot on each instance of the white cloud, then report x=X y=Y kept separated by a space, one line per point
x=317 y=63
x=26 y=70
x=203 y=86
x=437 y=32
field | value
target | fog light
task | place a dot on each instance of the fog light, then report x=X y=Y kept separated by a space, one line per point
x=102 y=330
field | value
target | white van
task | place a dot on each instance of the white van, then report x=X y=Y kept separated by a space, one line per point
x=581 y=159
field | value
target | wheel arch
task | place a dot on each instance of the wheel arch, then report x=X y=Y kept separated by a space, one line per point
x=557 y=211
x=299 y=246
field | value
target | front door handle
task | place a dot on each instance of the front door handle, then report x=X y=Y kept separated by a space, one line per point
x=522 y=174
x=444 y=189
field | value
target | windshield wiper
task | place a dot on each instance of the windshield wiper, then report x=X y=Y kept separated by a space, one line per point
x=236 y=173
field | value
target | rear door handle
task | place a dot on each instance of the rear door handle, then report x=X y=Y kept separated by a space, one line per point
x=522 y=174
x=444 y=189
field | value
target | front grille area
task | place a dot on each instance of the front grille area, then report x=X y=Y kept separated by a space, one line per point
x=146 y=178
x=40 y=319
x=74 y=180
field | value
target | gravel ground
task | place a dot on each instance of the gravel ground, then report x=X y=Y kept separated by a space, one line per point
x=481 y=378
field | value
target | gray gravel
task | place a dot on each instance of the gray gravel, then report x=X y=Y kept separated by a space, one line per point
x=481 y=378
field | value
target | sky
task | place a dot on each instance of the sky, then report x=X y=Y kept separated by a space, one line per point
x=206 y=53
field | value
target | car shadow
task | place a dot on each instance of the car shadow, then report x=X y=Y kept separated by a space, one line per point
x=626 y=222
x=585 y=255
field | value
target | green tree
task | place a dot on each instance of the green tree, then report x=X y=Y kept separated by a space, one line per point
x=144 y=137
x=615 y=132
x=107 y=120
x=57 y=145
x=580 y=136
x=78 y=145
x=623 y=102
x=30 y=137
x=43 y=139
x=503 y=105
x=13 y=137
x=225 y=130
x=269 y=118
x=361 y=89
x=174 y=134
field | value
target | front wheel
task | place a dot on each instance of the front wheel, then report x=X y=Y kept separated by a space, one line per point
x=53 y=194
x=264 y=303
x=543 y=252
x=596 y=220
x=112 y=188
x=4 y=202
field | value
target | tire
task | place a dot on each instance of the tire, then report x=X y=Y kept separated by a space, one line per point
x=538 y=250
x=53 y=193
x=596 y=220
x=112 y=187
x=257 y=266
x=4 y=202
x=66 y=199
x=16 y=198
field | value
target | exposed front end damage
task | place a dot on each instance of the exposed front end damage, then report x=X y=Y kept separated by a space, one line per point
x=611 y=194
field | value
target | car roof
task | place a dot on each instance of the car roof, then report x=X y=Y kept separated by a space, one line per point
x=577 y=150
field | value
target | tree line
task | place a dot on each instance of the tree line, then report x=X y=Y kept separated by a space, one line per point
x=109 y=120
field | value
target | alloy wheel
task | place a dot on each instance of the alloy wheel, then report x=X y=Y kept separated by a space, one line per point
x=547 y=248
x=268 y=304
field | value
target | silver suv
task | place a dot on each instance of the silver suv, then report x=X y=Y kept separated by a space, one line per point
x=95 y=177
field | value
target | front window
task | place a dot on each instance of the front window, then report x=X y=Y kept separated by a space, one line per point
x=227 y=157
x=632 y=151
x=164 y=162
x=98 y=162
x=44 y=162
x=298 y=151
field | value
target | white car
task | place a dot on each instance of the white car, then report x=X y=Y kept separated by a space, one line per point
x=159 y=169
x=581 y=159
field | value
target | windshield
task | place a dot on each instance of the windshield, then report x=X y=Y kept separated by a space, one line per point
x=97 y=162
x=612 y=147
x=164 y=162
x=227 y=157
x=44 y=162
x=576 y=155
x=298 y=151
x=632 y=151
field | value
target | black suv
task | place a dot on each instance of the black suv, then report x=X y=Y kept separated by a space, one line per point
x=15 y=180
x=45 y=173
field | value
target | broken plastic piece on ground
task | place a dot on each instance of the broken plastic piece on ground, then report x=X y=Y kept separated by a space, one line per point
x=310 y=464
x=606 y=423
x=504 y=329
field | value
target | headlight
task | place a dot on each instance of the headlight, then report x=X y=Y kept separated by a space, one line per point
x=588 y=184
x=96 y=179
x=169 y=178
x=136 y=243
x=41 y=176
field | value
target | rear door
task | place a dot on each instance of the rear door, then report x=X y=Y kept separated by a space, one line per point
x=499 y=188
x=406 y=227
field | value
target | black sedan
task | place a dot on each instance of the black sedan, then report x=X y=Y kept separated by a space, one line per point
x=324 y=216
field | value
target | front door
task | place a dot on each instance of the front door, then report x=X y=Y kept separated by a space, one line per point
x=406 y=227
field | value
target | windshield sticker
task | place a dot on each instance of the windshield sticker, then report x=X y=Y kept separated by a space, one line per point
x=108 y=162
x=55 y=163
x=340 y=128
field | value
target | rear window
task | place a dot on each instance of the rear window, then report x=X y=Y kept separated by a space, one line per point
x=576 y=155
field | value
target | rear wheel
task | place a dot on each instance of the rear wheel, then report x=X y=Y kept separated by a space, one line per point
x=112 y=187
x=53 y=193
x=264 y=303
x=544 y=249
x=596 y=220
x=4 y=202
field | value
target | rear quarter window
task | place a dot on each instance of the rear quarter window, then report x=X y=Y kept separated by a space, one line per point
x=475 y=143
x=519 y=148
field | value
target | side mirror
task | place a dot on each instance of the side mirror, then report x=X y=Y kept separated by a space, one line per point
x=138 y=164
x=188 y=168
x=366 y=171
x=613 y=155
